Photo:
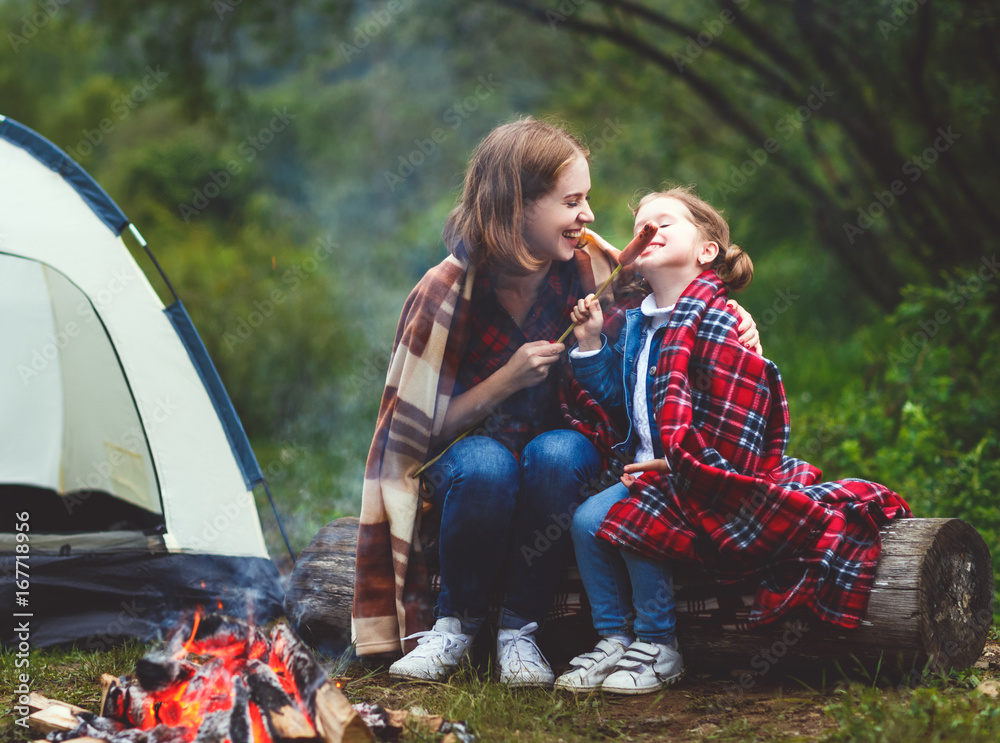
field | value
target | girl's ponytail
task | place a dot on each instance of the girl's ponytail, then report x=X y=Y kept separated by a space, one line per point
x=734 y=267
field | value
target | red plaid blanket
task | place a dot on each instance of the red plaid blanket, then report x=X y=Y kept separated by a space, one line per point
x=733 y=501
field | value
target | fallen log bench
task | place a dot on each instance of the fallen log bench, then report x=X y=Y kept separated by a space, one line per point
x=931 y=607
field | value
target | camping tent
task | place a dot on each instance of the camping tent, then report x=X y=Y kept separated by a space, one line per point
x=125 y=475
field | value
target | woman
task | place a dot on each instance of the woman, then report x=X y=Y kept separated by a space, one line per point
x=474 y=350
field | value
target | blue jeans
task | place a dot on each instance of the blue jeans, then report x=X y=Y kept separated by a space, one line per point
x=629 y=595
x=494 y=507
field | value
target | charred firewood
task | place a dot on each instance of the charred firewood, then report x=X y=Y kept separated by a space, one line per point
x=165 y=734
x=240 y=726
x=279 y=710
x=125 y=702
x=214 y=727
x=217 y=631
x=157 y=671
x=130 y=735
x=217 y=680
x=113 y=698
x=291 y=653
x=232 y=724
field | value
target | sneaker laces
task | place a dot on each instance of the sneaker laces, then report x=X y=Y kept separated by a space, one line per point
x=523 y=642
x=436 y=642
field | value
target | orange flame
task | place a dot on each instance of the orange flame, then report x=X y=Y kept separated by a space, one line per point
x=194 y=631
x=219 y=660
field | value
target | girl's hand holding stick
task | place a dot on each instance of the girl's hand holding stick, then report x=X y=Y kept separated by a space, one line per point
x=632 y=251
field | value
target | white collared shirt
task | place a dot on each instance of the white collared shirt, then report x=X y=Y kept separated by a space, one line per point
x=657 y=317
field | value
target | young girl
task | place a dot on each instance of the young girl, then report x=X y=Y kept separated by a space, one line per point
x=710 y=483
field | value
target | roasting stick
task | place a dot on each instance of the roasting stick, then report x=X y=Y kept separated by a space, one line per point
x=632 y=251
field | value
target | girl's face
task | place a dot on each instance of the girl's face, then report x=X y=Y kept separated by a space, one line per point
x=554 y=222
x=678 y=244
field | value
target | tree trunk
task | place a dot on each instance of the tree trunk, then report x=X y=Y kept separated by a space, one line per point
x=931 y=606
x=320 y=593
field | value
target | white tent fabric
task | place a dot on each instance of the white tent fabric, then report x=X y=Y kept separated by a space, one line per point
x=96 y=387
x=78 y=429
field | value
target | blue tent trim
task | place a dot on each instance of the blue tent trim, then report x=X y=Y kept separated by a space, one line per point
x=55 y=159
x=114 y=218
x=237 y=437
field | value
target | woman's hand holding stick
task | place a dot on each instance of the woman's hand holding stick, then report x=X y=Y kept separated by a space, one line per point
x=632 y=251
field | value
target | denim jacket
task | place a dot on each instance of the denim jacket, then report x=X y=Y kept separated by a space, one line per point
x=610 y=376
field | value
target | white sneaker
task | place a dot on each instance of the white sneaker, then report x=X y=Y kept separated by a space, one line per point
x=438 y=652
x=521 y=662
x=645 y=667
x=590 y=669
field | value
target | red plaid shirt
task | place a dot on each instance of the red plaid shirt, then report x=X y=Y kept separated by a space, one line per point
x=494 y=338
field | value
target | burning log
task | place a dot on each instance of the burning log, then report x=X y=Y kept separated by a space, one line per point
x=222 y=681
x=121 y=700
x=285 y=721
x=932 y=603
x=159 y=671
x=233 y=725
x=287 y=651
x=219 y=680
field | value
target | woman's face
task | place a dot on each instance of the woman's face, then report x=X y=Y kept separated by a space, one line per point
x=554 y=222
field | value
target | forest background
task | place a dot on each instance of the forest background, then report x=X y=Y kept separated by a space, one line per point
x=292 y=163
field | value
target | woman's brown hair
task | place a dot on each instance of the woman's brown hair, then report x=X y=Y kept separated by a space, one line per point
x=516 y=164
x=732 y=265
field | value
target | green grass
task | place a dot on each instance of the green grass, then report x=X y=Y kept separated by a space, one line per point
x=69 y=675
x=941 y=708
x=495 y=711
x=952 y=712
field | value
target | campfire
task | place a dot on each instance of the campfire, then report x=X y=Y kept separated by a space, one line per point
x=223 y=680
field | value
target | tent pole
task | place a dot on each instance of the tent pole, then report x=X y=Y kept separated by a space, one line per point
x=170 y=286
x=281 y=526
x=152 y=257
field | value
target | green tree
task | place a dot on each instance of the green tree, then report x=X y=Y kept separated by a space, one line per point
x=896 y=103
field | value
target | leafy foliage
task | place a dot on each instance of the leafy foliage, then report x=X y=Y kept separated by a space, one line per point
x=925 y=714
x=292 y=167
x=870 y=109
x=920 y=413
